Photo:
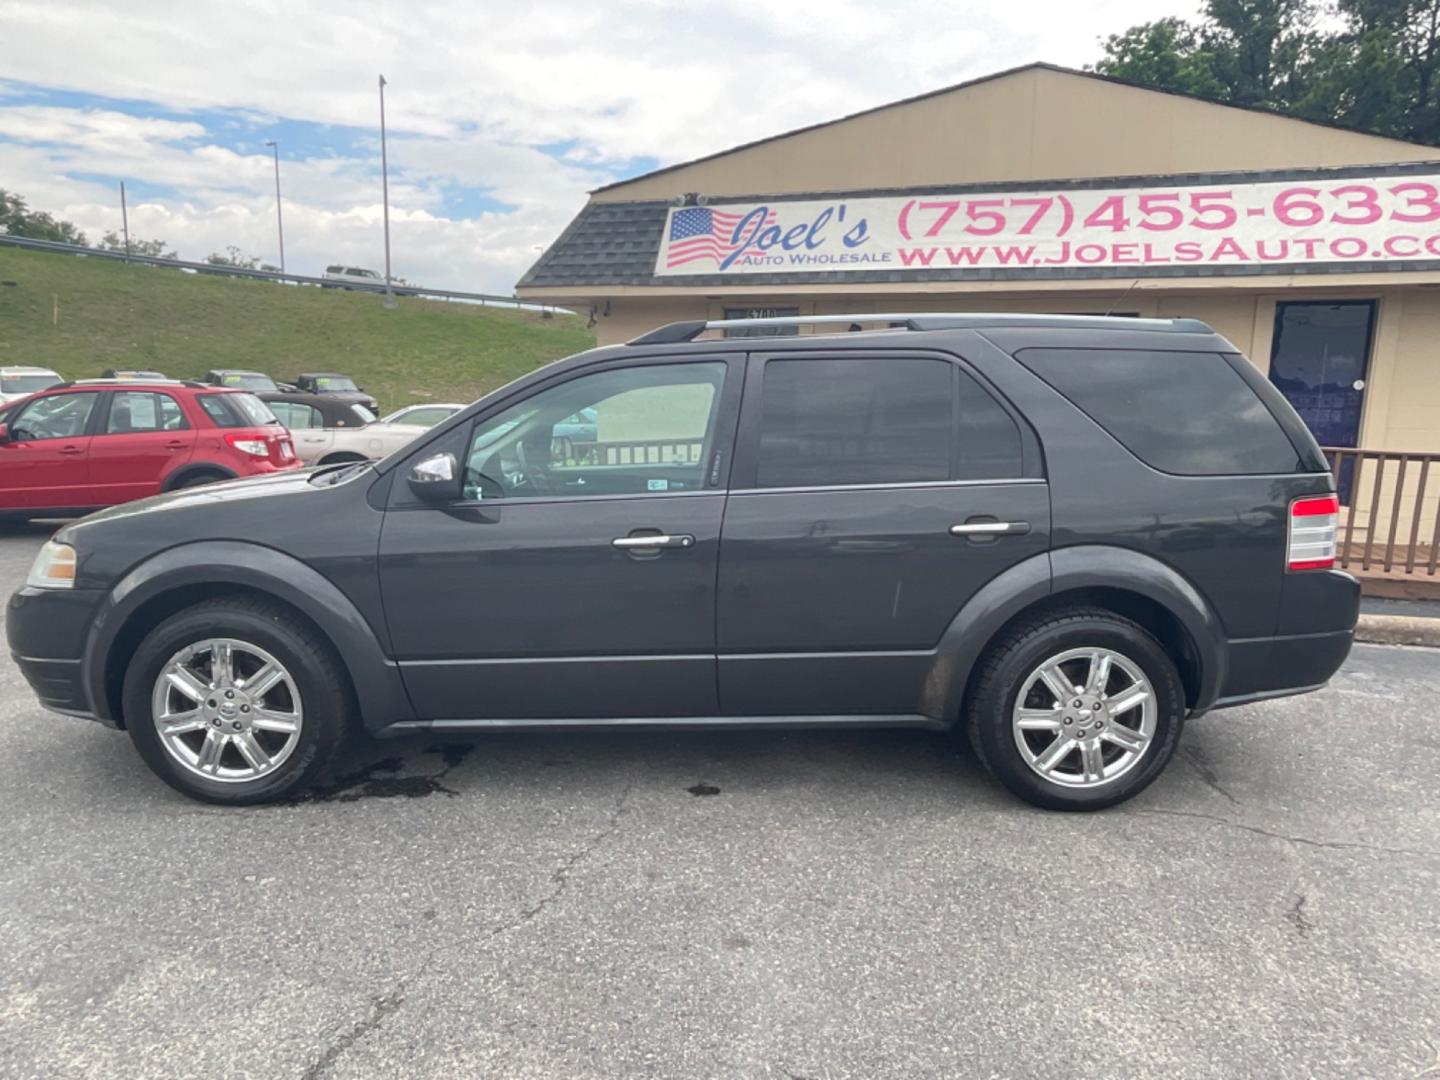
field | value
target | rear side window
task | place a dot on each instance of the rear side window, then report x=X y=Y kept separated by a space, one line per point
x=1180 y=412
x=132 y=412
x=236 y=410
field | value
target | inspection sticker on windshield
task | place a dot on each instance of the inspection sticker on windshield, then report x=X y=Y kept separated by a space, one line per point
x=657 y=485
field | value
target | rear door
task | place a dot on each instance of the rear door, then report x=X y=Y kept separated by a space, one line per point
x=44 y=464
x=140 y=439
x=873 y=495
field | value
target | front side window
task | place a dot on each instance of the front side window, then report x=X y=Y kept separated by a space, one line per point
x=63 y=416
x=133 y=412
x=628 y=431
x=855 y=421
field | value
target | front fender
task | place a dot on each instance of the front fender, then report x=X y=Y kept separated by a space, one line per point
x=379 y=690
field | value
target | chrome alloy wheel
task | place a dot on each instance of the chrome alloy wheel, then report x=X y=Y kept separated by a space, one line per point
x=1084 y=717
x=227 y=710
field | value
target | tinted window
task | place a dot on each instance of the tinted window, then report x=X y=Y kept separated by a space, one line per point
x=63 y=416
x=236 y=410
x=989 y=439
x=629 y=431
x=862 y=421
x=136 y=412
x=1180 y=412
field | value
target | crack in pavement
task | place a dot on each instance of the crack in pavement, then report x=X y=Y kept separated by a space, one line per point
x=1196 y=759
x=1296 y=915
x=561 y=876
x=1303 y=841
x=382 y=1006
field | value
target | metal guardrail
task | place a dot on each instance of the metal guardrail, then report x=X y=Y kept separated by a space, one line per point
x=1390 y=509
x=269 y=275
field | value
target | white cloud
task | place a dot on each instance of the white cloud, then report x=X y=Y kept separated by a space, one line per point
x=475 y=89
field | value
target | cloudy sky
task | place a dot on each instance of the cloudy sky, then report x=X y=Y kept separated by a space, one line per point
x=501 y=115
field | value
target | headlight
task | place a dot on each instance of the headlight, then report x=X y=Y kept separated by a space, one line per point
x=54 y=567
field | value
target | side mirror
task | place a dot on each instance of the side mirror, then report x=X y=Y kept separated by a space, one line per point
x=4 y=433
x=436 y=478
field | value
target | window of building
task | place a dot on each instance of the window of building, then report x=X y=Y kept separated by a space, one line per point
x=762 y=313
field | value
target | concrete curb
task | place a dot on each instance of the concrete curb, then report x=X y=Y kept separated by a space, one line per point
x=1398 y=630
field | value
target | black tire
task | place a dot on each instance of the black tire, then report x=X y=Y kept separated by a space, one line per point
x=1010 y=661
x=328 y=706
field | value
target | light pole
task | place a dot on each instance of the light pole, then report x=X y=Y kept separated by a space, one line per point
x=279 y=221
x=125 y=220
x=385 y=186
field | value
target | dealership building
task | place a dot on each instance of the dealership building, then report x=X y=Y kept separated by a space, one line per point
x=1314 y=248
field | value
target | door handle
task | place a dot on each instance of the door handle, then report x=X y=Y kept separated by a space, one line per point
x=655 y=540
x=177 y=444
x=990 y=528
x=72 y=450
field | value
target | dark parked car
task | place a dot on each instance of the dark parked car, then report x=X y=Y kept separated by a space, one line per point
x=1061 y=537
x=331 y=384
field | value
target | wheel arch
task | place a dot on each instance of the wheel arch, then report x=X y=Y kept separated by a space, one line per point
x=1130 y=583
x=197 y=468
x=192 y=573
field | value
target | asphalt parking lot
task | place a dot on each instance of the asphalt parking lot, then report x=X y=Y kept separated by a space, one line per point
x=807 y=905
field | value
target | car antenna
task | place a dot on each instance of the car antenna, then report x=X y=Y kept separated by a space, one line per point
x=1110 y=310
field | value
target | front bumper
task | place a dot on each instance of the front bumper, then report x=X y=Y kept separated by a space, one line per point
x=47 y=630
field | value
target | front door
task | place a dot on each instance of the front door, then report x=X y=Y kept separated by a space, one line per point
x=44 y=463
x=872 y=497
x=575 y=576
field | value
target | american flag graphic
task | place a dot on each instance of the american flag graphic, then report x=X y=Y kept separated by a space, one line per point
x=701 y=233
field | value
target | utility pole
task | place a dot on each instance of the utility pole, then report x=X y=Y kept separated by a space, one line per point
x=385 y=186
x=279 y=221
x=125 y=220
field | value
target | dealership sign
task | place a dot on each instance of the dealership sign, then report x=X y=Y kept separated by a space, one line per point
x=1380 y=219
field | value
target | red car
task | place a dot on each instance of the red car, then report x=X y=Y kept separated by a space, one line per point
x=82 y=446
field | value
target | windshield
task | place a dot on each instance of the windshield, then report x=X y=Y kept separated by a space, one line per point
x=366 y=416
x=27 y=384
x=335 y=382
x=248 y=380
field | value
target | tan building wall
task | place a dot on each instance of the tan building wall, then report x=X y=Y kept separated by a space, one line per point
x=1036 y=123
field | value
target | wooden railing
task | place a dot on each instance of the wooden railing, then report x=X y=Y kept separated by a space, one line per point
x=1389 y=510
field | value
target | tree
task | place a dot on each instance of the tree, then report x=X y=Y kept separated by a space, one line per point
x=233 y=257
x=156 y=249
x=17 y=219
x=1377 y=68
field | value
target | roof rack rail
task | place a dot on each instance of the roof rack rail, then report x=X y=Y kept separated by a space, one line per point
x=673 y=333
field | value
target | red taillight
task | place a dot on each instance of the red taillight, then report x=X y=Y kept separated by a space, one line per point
x=255 y=446
x=1314 y=523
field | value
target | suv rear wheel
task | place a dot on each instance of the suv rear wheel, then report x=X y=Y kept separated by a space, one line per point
x=1077 y=710
x=230 y=701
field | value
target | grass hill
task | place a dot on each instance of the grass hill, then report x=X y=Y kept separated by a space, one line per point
x=80 y=316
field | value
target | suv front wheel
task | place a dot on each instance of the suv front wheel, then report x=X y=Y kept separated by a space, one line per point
x=234 y=701
x=1077 y=710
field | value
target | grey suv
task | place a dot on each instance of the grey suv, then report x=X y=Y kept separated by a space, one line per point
x=1058 y=536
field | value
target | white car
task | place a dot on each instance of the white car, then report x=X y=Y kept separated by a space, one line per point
x=427 y=415
x=327 y=446
x=343 y=275
x=19 y=381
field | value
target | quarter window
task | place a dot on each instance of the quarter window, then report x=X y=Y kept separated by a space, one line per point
x=627 y=431
x=1188 y=413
